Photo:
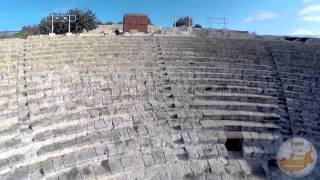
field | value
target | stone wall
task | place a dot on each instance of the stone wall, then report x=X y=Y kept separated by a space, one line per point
x=153 y=107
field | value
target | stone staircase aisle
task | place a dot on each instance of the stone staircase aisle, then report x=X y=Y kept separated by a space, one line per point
x=221 y=102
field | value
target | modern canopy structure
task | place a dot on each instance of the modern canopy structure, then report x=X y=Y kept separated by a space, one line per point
x=61 y=18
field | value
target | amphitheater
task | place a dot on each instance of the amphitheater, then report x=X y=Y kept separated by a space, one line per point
x=154 y=107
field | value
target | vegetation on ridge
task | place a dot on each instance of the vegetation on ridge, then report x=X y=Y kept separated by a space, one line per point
x=184 y=21
x=85 y=20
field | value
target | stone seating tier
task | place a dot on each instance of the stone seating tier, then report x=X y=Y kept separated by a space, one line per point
x=153 y=107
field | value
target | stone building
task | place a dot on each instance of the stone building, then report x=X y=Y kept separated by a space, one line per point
x=135 y=22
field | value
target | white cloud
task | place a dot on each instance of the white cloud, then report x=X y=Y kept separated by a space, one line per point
x=300 y=32
x=261 y=16
x=311 y=12
x=307 y=1
x=310 y=9
x=248 y=19
x=264 y=15
x=311 y=18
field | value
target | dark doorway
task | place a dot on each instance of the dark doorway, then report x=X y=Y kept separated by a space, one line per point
x=234 y=140
x=234 y=144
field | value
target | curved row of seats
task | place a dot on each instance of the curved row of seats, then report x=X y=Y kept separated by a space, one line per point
x=149 y=107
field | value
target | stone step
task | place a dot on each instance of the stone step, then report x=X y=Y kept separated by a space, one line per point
x=234 y=106
x=10 y=144
x=211 y=62
x=216 y=66
x=222 y=82
x=209 y=75
x=47 y=119
x=114 y=168
x=203 y=89
x=206 y=59
x=259 y=151
x=206 y=151
x=240 y=115
x=240 y=97
x=241 y=125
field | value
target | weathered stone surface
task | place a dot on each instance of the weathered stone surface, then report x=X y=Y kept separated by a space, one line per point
x=80 y=156
x=217 y=165
x=132 y=162
x=86 y=172
x=152 y=107
x=57 y=163
x=68 y=160
x=148 y=160
x=114 y=165
x=47 y=166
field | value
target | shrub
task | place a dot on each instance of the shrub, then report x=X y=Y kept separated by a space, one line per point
x=184 y=21
x=197 y=26
x=108 y=23
x=28 y=31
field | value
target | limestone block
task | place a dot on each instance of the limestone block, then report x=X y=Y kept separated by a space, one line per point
x=47 y=166
x=258 y=151
x=57 y=163
x=20 y=173
x=114 y=165
x=207 y=151
x=158 y=157
x=233 y=167
x=222 y=150
x=122 y=147
x=90 y=153
x=217 y=165
x=155 y=142
x=194 y=137
x=15 y=159
x=247 y=151
x=86 y=172
x=54 y=177
x=141 y=130
x=207 y=137
x=3 y=163
x=68 y=160
x=132 y=145
x=99 y=124
x=36 y=175
x=186 y=138
x=101 y=150
x=222 y=138
x=148 y=160
x=112 y=149
x=73 y=174
x=43 y=136
x=192 y=152
x=132 y=162
x=80 y=156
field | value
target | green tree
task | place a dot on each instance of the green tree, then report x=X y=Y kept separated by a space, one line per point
x=100 y=23
x=184 y=21
x=197 y=26
x=85 y=20
x=109 y=23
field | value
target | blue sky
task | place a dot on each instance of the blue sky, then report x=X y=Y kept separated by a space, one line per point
x=277 y=17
